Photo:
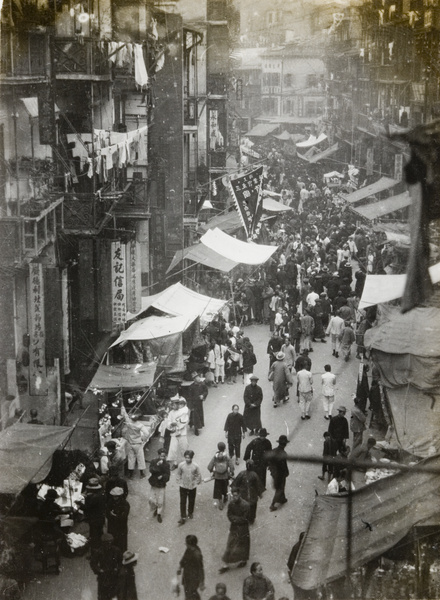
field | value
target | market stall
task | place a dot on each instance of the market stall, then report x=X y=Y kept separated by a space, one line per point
x=380 y=516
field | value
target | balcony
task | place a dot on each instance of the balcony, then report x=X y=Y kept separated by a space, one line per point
x=23 y=57
x=79 y=58
x=31 y=232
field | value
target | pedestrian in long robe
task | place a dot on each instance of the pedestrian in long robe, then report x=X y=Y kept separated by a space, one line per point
x=118 y=510
x=256 y=450
x=197 y=394
x=127 y=578
x=250 y=488
x=347 y=339
x=281 y=379
x=106 y=563
x=192 y=570
x=279 y=471
x=239 y=541
x=253 y=397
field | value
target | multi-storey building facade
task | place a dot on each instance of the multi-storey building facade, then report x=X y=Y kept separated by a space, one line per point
x=99 y=128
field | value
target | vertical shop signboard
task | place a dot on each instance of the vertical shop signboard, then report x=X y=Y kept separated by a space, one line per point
x=133 y=277
x=37 y=354
x=66 y=323
x=398 y=167
x=119 y=285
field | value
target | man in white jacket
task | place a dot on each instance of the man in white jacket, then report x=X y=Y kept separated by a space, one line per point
x=334 y=329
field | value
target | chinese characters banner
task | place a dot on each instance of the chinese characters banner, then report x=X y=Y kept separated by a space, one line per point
x=247 y=193
x=37 y=353
x=119 y=285
x=133 y=277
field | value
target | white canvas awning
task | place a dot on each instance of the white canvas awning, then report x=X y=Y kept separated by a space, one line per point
x=205 y=256
x=154 y=327
x=385 y=288
x=384 y=183
x=247 y=253
x=312 y=141
x=271 y=205
x=383 y=207
x=179 y=300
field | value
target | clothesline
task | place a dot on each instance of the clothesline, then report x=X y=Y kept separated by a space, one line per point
x=110 y=149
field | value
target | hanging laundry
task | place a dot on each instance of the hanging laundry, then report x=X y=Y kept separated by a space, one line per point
x=154 y=33
x=160 y=62
x=140 y=70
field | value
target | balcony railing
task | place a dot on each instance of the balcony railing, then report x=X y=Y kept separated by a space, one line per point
x=26 y=236
x=75 y=56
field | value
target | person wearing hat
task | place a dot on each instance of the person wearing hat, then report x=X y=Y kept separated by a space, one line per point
x=94 y=511
x=250 y=488
x=115 y=480
x=256 y=450
x=177 y=423
x=279 y=471
x=253 y=397
x=281 y=379
x=106 y=563
x=117 y=511
x=160 y=475
x=338 y=429
x=127 y=578
x=132 y=434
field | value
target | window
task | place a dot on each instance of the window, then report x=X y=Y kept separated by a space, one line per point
x=288 y=80
x=313 y=108
x=312 y=80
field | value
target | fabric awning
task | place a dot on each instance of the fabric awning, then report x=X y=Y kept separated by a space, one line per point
x=324 y=154
x=26 y=454
x=178 y=300
x=203 y=255
x=262 y=129
x=385 y=288
x=271 y=205
x=228 y=222
x=407 y=333
x=383 y=207
x=384 y=183
x=392 y=506
x=312 y=141
x=247 y=253
x=116 y=377
x=154 y=327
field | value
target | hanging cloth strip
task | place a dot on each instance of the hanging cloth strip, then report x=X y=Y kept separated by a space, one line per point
x=140 y=70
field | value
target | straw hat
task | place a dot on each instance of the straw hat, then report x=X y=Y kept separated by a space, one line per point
x=129 y=557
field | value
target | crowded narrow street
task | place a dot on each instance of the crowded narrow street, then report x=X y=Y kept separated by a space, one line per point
x=273 y=533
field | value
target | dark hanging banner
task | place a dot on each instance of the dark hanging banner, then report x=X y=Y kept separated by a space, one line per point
x=46 y=115
x=247 y=193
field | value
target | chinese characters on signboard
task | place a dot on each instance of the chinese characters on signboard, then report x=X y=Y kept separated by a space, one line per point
x=133 y=277
x=398 y=167
x=37 y=353
x=119 y=285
